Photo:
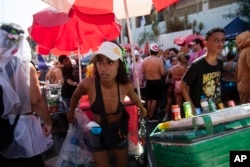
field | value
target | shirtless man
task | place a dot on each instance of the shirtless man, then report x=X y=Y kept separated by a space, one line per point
x=153 y=70
x=54 y=75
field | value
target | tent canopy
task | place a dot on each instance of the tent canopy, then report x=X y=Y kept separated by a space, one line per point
x=235 y=27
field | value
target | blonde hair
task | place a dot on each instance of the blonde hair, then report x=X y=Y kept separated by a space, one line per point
x=182 y=58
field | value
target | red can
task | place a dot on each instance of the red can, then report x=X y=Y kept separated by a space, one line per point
x=230 y=103
x=176 y=113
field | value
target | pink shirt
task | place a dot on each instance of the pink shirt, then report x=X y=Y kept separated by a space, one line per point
x=195 y=55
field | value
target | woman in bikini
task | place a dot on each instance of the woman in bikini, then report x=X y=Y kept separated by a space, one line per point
x=106 y=93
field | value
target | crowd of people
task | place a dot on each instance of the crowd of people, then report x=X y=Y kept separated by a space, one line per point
x=160 y=75
x=164 y=77
x=172 y=77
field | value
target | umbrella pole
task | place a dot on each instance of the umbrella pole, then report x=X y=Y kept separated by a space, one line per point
x=79 y=63
x=132 y=48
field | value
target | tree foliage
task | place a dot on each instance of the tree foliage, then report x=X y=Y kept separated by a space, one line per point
x=174 y=24
x=242 y=11
x=145 y=36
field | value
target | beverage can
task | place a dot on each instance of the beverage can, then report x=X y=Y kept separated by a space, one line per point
x=176 y=113
x=230 y=103
x=220 y=105
x=187 y=109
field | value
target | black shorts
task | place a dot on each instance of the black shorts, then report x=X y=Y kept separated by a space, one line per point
x=154 y=89
x=95 y=144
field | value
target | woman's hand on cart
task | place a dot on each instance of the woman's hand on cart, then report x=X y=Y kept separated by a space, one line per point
x=70 y=117
x=143 y=112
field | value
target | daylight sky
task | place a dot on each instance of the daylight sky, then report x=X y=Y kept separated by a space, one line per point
x=20 y=11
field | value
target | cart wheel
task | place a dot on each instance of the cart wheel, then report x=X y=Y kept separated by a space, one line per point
x=138 y=161
x=143 y=159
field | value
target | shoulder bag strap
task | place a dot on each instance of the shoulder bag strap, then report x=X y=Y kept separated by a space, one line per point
x=16 y=120
x=99 y=99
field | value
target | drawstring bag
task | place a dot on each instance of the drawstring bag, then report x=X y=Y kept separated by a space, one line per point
x=7 y=132
x=74 y=151
x=6 y=129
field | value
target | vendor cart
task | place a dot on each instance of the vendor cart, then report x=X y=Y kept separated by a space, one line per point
x=52 y=95
x=190 y=142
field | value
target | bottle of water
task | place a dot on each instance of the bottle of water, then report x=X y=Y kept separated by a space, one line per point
x=204 y=105
x=212 y=106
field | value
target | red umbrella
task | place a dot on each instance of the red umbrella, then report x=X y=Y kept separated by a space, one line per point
x=53 y=29
x=128 y=47
x=185 y=40
x=45 y=51
x=118 y=7
x=123 y=9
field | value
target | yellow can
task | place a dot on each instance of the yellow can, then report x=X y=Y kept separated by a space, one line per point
x=187 y=109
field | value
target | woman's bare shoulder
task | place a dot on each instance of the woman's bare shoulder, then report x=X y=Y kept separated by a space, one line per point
x=88 y=82
x=127 y=87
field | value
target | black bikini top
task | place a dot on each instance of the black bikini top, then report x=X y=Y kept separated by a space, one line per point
x=96 y=106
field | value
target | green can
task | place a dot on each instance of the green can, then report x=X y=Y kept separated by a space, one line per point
x=187 y=109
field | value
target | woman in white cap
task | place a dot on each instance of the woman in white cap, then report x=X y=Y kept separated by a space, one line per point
x=106 y=93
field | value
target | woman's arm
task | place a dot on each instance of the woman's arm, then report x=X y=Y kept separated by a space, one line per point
x=78 y=93
x=38 y=104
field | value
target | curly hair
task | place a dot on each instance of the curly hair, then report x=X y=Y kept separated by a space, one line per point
x=122 y=76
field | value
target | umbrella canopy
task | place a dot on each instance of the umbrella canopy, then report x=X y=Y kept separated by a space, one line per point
x=123 y=9
x=185 y=40
x=128 y=47
x=235 y=27
x=56 y=31
x=45 y=51
x=53 y=29
x=135 y=7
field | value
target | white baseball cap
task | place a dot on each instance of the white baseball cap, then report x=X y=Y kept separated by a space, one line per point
x=110 y=50
x=136 y=53
x=154 y=47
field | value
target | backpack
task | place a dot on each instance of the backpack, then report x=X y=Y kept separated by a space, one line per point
x=6 y=129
